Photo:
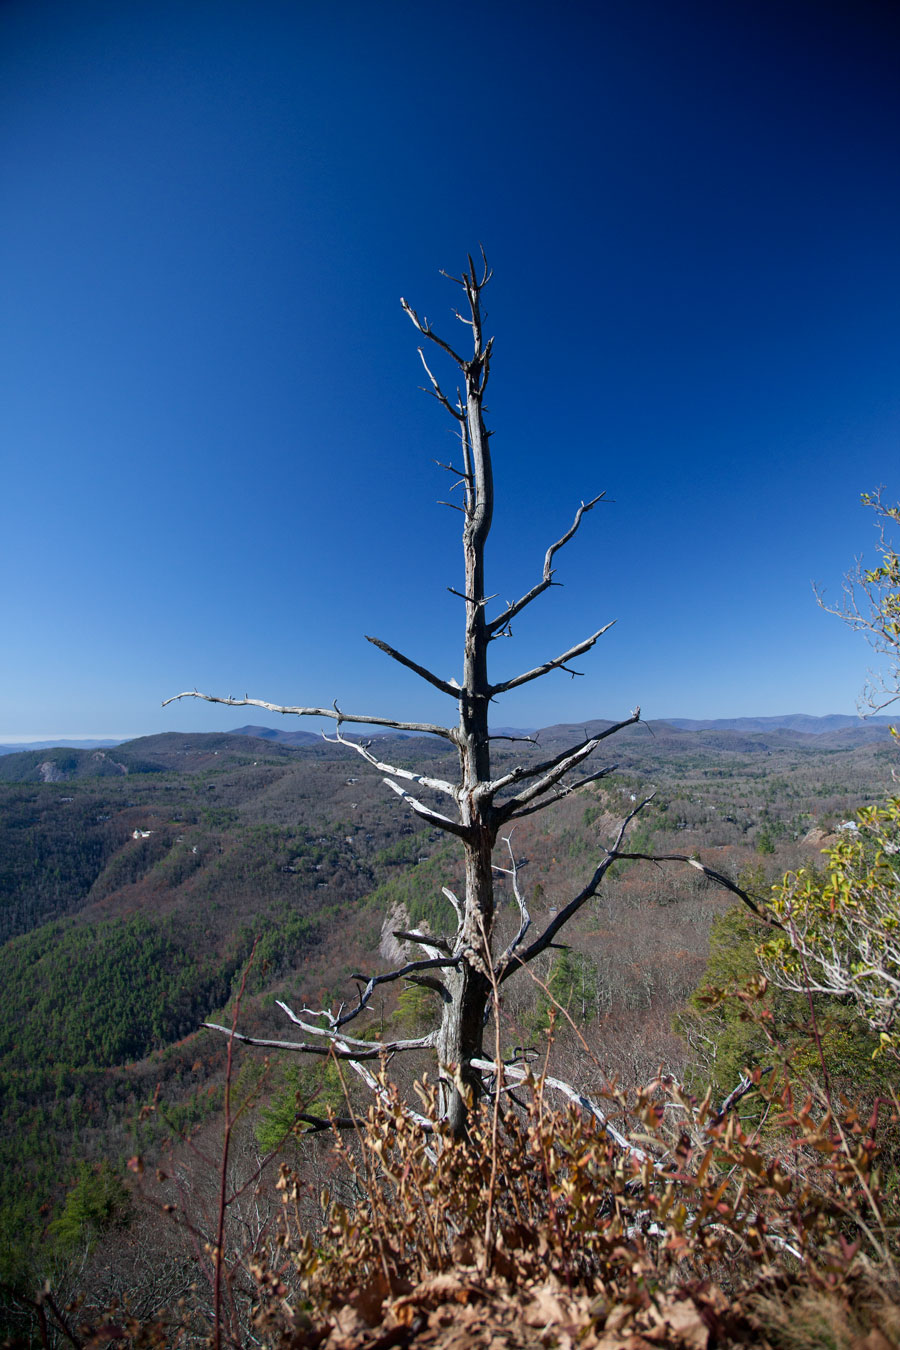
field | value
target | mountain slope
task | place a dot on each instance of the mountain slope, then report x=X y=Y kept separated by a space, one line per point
x=813 y=726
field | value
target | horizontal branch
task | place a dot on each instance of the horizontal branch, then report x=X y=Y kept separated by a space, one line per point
x=470 y=599
x=725 y=882
x=319 y=1123
x=451 y=468
x=521 y=1075
x=436 y=784
x=426 y=940
x=402 y=973
x=444 y=685
x=371 y=982
x=578 y=650
x=506 y=618
x=348 y=1048
x=435 y=818
x=425 y=728
x=339 y=1046
x=430 y=982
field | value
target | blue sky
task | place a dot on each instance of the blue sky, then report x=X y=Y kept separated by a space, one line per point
x=217 y=468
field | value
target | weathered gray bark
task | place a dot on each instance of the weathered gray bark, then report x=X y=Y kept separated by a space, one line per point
x=463 y=1018
x=469 y=985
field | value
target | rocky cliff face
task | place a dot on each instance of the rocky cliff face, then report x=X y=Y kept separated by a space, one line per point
x=392 y=949
x=102 y=763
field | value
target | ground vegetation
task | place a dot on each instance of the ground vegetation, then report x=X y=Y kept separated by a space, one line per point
x=111 y=1070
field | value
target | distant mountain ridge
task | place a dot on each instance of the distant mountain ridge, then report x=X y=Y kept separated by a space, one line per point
x=15 y=748
x=181 y=752
x=812 y=726
x=279 y=736
x=843 y=725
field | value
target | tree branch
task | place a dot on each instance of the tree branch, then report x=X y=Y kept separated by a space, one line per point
x=505 y=810
x=524 y=771
x=436 y=784
x=524 y=917
x=538 y=671
x=444 y=685
x=435 y=818
x=426 y=330
x=878 y=590
x=545 y=940
x=429 y=982
x=748 y=1083
x=451 y=468
x=454 y=900
x=717 y=877
x=426 y=728
x=437 y=944
x=522 y=1075
x=378 y=1088
x=438 y=392
x=371 y=984
x=365 y=1050
x=465 y=444
x=552 y=770
x=319 y=1123
x=563 y=790
x=505 y=619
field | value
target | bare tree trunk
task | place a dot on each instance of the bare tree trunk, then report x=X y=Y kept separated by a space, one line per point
x=462 y=967
x=463 y=1019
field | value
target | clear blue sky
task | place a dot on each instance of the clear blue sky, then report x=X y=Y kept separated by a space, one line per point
x=217 y=467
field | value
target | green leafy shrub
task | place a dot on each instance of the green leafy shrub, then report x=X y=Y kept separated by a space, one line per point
x=841 y=926
x=736 y=1020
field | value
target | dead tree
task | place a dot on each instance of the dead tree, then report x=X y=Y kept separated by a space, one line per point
x=463 y=967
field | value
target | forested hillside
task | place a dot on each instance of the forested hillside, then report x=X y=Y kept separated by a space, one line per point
x=132 y=900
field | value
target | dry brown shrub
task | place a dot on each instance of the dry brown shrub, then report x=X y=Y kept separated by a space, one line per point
x=702 y=1236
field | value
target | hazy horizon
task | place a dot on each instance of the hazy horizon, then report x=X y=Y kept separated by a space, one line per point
x=309 y=724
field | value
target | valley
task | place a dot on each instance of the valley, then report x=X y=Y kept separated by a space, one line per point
x=136 y=886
